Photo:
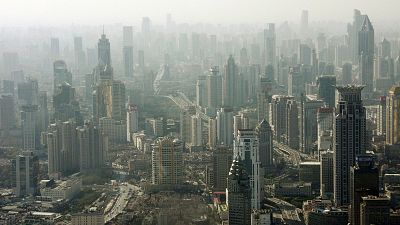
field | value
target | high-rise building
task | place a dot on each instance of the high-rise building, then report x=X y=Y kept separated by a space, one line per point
x=296 y=82
x=79 y=54
x=7 y=112
x=93 y=147
x=127 y=35
x=201 y=92
x=196 y=131
x=212 y=133
x=146 y=25
x=393 y=116
x=25 y=169
x=222 y=161
x=292 y=124
x=366 y=49
x=364 y=181
x=115 y=130
x=326 y=89
x=104 y=70
x=63 y=149
x=65 y=104
x=214 y=89
x=350 y=139
x=186 y=123
x=225 y=127
x=10 y=62
x=30 y=133
x=347 y=73
x=326 y=176
x=128 y=61
x=61 y=74
x=309 y=123
x=304 y=22
x=132 y=121
x=270 y=48
x=54 y=49
x=28 y=92
x=265 y=144
x=238 y=195
x=43 y=112
x=381 y=117
x=375 y=210
x=278 y=116
x=229 y=84
x=305 y=55
x=263 y=99
x=167 y=161
x=246 y=148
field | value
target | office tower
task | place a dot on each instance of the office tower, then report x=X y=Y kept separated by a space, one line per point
x=364 y=181
x=309 y=124
x=115 y=130
x=244 y=58
x=263 y=99
x=93 y=147
x=196 y=131
x=132 y=121
x=246 y=148
x=292 y=124
x=350 y=138
x=296 y=82
x=79 y=54
x=28 y=92
x=326 y=89
x=240 y=121
x=229 y=84
x=146 y=25
x=141 y=59
x=225 y=126
x=63 y=149
x=325 y=120
x=304 y=54
x=127 y=35
x=222 y=160
x=214 y=89
x=89 y=88
x=385 y=49
x=10 y=63
x=103 y=71
x=347 y=76
x=25 y=168
x=30 y=133
x=352 y=30
x=66 y=105
x=212 y=133
x=255 y=54
x=201 y=92
x=304 y=22
x=375 y=210
x=8 y=87
x=118 y=100
x=366 y=55
x=381 y=117
x=92 y=58
x=186 y=123
x=167 y=161
x=7 y=112
x=238 y=195
x=54 y=49
x=61 y=74
x=393 y=116
x=326 y=178
x=128 y=61
x=270 y=48
x=265 y=144
x=196 y=48
x=43 y=112
x=278 y=118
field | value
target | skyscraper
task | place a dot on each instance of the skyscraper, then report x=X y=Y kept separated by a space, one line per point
x=265 y=144
x=7 y=112
x=30 y=133
x=25 y=168
x=66 y=105
x=350 y=139
x=214 y=89
x=364 y=181
x=246 y=148
x=54 y=48
x=347 y=73
x=238 y=195
x=263 y=99
x=326 y=89
x=79 y=54
x=222 y=161
x=270 y=48
x=61 y=74
x=292 y=124
x=128 y=50
x=132 y=121
x=381 y=117
x=326 y=173
x=104 y=70
x=304 y=22
x=278 y=116
x=366 y=48
x=393 y=116
x=308 y=124
x=225 y=126
x=229 y=83
x=167 y=161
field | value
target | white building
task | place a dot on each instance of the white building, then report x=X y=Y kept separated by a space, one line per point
x=246 y=149
x=60 y=190
x=132 y=121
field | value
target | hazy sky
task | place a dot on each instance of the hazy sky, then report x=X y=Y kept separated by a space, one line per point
x=95 y=12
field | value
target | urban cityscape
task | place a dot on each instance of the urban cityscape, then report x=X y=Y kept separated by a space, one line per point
x=173 y=122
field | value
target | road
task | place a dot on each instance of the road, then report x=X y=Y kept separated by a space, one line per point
x=125 y=193
x=294 y=156
x=183 y=102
